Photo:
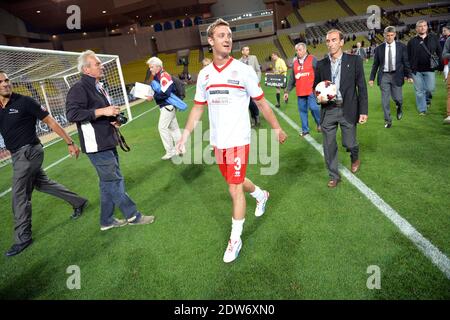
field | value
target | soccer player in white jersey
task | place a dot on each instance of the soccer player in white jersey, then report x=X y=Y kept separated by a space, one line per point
x=225 y=87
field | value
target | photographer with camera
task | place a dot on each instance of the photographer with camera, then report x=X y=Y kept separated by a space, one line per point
x=89 y=106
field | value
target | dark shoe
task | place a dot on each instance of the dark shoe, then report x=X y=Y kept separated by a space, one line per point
x=333 y=183
x=399 y=113
x=18 y=248
x=77 y=212
x=302 y=134
x=277 y=105
x=355 y=166
x=387 y=125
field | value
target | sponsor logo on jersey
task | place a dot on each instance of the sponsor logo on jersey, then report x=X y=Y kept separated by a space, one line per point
x=12 y=111
x=219 y=92
x=236 y=82
x=220 y=100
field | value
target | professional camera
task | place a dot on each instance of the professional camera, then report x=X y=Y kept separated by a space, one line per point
x=121 y=119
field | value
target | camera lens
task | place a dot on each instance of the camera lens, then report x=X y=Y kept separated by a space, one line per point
x=121 y=118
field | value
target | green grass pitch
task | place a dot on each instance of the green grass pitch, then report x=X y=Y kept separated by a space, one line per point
x=312 y=243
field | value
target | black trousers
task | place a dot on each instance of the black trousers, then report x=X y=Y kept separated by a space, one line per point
x=332 y=117
x=27 y=175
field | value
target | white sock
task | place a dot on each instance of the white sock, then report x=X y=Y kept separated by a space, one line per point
x=258 y=194
x=236 y=229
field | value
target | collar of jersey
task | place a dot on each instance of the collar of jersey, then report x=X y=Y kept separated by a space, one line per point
x=224 y=66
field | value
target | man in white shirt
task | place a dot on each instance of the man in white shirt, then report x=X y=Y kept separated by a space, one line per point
x=225 y=86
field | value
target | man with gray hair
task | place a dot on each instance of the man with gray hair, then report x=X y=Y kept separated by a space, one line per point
x=302 y=78
x=422 y=49
x=392 y=65
x=168 y=124
x=89 y=105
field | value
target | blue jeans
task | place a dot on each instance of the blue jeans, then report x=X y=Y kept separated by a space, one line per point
x=303 y=104
x=112 y=187
x=424 y=84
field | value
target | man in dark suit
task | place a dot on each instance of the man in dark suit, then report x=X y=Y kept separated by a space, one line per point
x=391 y=63
x=350 y=107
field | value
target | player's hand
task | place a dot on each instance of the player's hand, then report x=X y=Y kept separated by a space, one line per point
x=286 y=96
x=180 y=147
x=111 y=111
x=363 y=118
x=149 y=98
x=371 y=83
x=410 y=80
x=281 y=135
x=74 y=151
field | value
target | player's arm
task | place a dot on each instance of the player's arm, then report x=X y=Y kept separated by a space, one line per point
x=194 y=117
x=271 y=118
x=51 y=122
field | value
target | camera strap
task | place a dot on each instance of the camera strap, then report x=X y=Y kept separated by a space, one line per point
x=122 y=143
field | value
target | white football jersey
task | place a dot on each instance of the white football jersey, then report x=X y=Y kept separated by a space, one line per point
x=227 y=91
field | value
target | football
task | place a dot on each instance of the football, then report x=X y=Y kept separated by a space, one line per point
x=325 y=91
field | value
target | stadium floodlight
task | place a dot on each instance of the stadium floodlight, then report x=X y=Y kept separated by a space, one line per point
x=47 y=75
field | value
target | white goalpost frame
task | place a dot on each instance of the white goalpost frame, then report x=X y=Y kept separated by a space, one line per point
x=124 y=90
x=42 y=86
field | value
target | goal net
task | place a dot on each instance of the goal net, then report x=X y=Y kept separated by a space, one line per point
x=47 y=75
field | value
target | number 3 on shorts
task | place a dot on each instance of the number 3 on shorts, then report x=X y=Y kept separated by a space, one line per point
x=238 y=165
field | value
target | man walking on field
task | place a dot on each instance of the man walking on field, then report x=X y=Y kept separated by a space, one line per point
x=226 y=86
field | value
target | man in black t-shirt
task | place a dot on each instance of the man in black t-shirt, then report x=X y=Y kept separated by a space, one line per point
x=18 y=116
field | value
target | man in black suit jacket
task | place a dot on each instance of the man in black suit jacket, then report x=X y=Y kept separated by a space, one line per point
x=350 y=107
x=391 y=63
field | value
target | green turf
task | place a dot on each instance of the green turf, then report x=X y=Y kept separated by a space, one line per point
x=313 y=243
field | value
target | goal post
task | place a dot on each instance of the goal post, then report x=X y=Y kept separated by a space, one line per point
x=47 y=75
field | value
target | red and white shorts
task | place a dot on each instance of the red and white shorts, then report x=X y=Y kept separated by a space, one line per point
x=233 y=163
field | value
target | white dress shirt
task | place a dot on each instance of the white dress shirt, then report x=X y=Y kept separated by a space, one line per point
x=386 y=56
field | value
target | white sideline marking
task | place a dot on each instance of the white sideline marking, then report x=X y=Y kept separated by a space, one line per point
x=423 y=244
x=4 y=193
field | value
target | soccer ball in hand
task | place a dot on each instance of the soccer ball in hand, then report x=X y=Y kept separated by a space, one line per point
x=325 y=91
